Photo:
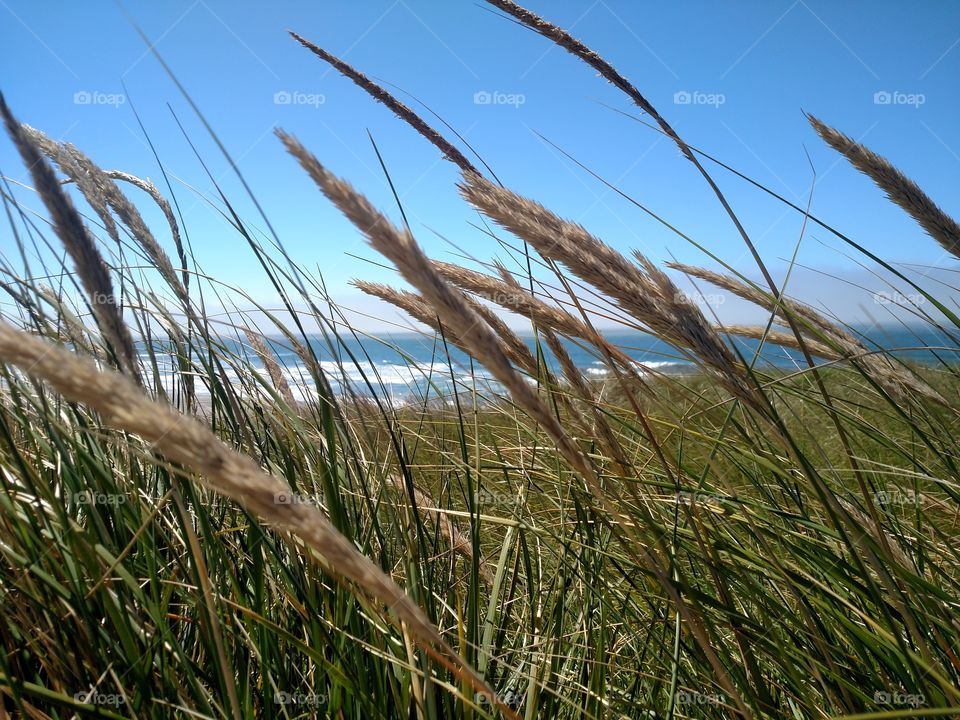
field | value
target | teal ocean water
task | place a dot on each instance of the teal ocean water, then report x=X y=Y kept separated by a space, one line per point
x=410 y=367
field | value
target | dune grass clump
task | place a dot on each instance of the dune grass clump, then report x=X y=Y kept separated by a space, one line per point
x=194 y=525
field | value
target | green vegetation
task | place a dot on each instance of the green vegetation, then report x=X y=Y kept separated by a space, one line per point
x=738 y=542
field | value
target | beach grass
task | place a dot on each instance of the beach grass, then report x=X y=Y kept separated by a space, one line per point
x=183 y=533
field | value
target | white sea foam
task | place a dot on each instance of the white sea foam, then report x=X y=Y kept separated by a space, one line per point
x=393 y=382
x=642 y=366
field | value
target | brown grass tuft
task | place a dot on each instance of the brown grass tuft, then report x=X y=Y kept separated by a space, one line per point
x=100 y=184
x=87 y=260
x=899 y=188
x=76 y=172
x=832 y=341
x=459 y=544
x=152 y=190
x=419 y=309
x=272 y=367
x=400 y=110
x=448 y=303
x=646 y=293
x=778 y=337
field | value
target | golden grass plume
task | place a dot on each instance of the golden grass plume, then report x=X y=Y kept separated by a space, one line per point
x=79 y=244
x=400 y=109
x=899 y=188
x=184 y=440
x=103 y=194
x=272 y=367
x=832 y=341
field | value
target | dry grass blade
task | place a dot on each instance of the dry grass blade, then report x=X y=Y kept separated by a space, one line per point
x=380 y=95
x=448 y=303
x=152 y=190
x=778 y=337
x=565 y=323
x=415 y=306
x=130 y=216
x=835 y=342
x=184 y=440
x=100 y=190
x=76 y=173
x=409 y=302
x=89 y=264
x=507 y=293
x=272 y=367
x=459 y=543
x=648 y=294
x=516 y=350
x=607 y=438
x=516 y=299
x=782 y=307
x=899 y=188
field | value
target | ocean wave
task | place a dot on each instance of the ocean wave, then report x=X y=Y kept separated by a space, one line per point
x=642 y=366
x=393 y=380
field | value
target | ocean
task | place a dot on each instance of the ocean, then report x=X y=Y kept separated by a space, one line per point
x=410 y=367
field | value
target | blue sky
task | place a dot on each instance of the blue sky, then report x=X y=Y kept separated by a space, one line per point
x=733 y=78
